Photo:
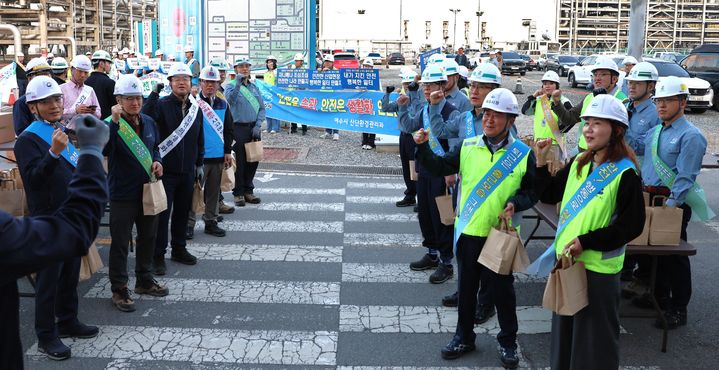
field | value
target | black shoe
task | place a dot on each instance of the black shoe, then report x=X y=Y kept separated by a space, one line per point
x=304 y=132
x=190 y=233
x=425 y=263
x=455 y=349
x=181 y=255
x=77 y=330
x=406 y=202
x=293 y=131
x=214 y=230
x=220 y=218
x=645 y=301
x=158 y=265
x=627 y=275
x=484 y=313
x=675 y=319
x=443 y=273
x=508 y=357
x=451 y=300
x=54 y=349
x=415 y=209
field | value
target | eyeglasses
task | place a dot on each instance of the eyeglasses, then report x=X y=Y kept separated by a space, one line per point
x=132 y=98
x=665 y=101
x=480 y=86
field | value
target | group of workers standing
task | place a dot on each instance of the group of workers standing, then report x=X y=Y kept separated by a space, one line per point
x=640 y=143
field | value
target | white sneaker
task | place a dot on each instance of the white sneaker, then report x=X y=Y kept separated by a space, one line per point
x=264 y=131
x=336 y=137
x=325 y=136
x=273 y=132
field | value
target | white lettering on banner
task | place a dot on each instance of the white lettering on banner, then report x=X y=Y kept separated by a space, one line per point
x=176 y=136
x=84 y=95
x=212 y=118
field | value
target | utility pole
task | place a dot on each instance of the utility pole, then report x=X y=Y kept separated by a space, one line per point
x=479 y=23
x=637 y=24
x=454 y=37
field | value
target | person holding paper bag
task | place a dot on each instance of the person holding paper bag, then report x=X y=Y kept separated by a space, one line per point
x=133 y=160
x=673 y=153
x=497 y=173
x=47 y=159
x=602 y=210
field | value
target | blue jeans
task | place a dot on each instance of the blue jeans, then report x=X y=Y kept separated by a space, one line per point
x=273 y=124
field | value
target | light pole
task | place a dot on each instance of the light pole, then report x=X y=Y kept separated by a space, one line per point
x=454 y=37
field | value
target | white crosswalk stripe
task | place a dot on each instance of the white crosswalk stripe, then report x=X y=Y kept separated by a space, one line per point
x=265 y=252
x=382 y=240
x=273 y=226
x=301 y=207
x=371 y=199
x=381 y=217
x=376 y=185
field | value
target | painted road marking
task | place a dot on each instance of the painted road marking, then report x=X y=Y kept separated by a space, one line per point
x=376 y=185
x=301 y=207
x=272 y=226
x=382 y=240
x=300 y=191
x=371 y=199
x=401 y=273
x=380 y=217
x=265 y=252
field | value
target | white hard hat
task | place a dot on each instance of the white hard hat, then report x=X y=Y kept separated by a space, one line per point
x=81 y=63
x=189 y=49
x=59 y=64
x=114 y=50
x=367 y=62
x=128 y=85
x=464 y=71
x=42 y=87
x=299 y=56
x=159 y=52
x=630 y=60
x=50 y=55
x=19 y=54
x=210 y=73
x=179 y=69
x=37 y=65
x=436 y=58
x=433 y=73
x=486 y=73
x=125 y=51
x=408 y=77
x=501 y=100
x=271 y=57
x=550 y=76
x=643 y=71
x=328 y=58
x=671 y=86
x=607 y=107
x=242 y=60
x=219 y=63
x=88 y=53
x=102 y=55
x=603 y=62
x=450 y=66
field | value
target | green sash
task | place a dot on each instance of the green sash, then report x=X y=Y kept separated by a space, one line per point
x=250 y=98
x=695 y=197
x=136 y=145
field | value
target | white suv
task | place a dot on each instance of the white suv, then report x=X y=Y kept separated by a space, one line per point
x=582 y=72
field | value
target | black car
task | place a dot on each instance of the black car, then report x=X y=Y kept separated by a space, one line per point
x=513 y=63
x=396 y=58
x=703 y=62
x=561 y=64
x=531 y=64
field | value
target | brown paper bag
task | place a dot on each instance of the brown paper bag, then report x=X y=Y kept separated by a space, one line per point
x=412 y=171
x=500 y=248
x=566 y=289
x=227 y=183
x=666 y=225
x=154 y=199
x=198 y=198
x=643 y=238
x=521 y=259
x=446 y=208
x=253 y=151
x=12 y=199
x=90 y=263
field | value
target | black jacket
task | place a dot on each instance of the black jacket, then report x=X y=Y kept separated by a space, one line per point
x=104 y=87
x=167 y=113
x=21 y=115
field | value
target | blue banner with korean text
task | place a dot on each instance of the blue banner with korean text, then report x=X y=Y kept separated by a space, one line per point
x=358 y=111
x=343 y=79
x=424 y=57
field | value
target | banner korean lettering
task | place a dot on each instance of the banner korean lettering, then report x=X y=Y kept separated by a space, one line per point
x=424 y=57
x=344 y=79
x=150 y=80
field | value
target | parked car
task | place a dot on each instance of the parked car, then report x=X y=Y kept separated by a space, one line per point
x=512 y=62
x=531 y=63
x=396 y=58
x=542 y=61
x=561 y=64
x=700 y=92
x=581 y=73
x=672 y=57
x=346 y=60
x=376 y=58
x=703 y=62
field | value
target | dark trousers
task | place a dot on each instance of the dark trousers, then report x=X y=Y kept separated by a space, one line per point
x=500 y=287
x=212 y=192
x=123 y=215
x=368 y=139
x=11 y=356
x=178 y=188
x=437 y=236
x=245 y=172
x=674 y=273
x=406 y=154
x=56 y=296
x=589 y=339
x=294 y=128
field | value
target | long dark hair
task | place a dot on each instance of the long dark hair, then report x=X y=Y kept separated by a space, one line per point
x=617 y=149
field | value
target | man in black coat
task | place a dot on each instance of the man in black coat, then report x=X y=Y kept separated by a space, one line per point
x=103 y=85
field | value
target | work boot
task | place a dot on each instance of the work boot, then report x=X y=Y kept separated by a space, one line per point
x=152 y=288
x=76 y=329
x=443 y=273
x=415 y=209
x=484 y=313
x=251 y=198
x=220 y=218
x=214 y=230
x=508 y=357
x=54 y=349
x=190 y=233
x=122 y=301
x=455 y=349
x=304 y=132
x=451 y=300
x=634 y=289
x=226 y=209
x=239 y=200
x=406 y=202
x=425 y=263
x=675 y=318
x=158 y=265
x=181 y=255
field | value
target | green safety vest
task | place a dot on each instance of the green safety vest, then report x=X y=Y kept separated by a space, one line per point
x=587 y=100
x=269 y=77
x=596 y=214
x=475 y=160
x=541 y=128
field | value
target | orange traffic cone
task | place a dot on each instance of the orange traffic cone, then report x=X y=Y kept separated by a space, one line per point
x=11 y=100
